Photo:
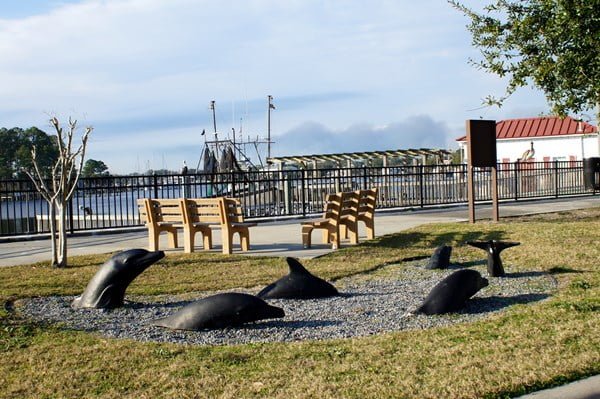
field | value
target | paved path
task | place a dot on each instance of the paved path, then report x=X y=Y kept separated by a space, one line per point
x=281 y=238
x=284 y=239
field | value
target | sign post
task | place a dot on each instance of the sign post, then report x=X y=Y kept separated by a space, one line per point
x=481 y=152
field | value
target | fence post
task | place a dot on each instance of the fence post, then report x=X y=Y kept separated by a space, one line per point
x=516 y=164
x=556 y=178
x=365 y=178
x=421 y=188
x=155 y=185
x=233 y=193
x=303 y=187
x=71 y=229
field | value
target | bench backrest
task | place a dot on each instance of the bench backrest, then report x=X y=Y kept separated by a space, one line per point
x=333 y=208
x=155 y=211
x=232 y=211
x=201 y=210
x=367 y=202
x=350 y=205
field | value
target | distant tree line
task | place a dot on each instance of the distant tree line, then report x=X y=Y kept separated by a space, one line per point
x=15 y=154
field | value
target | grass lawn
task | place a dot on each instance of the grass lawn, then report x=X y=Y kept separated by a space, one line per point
x=525 y=348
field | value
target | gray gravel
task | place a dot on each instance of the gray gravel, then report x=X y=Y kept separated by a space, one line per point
x=368 y=305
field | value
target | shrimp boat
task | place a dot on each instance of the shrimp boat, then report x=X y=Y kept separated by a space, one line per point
x=232 y=153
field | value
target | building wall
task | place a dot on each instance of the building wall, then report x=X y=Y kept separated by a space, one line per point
x=573 y=147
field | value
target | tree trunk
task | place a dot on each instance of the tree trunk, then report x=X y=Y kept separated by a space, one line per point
x=62 y=235
x=52 y=222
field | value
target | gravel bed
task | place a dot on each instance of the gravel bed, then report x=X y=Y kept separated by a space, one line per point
x=368 y=305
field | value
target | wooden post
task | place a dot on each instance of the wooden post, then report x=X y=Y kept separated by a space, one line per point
x=481 y=146
x=495 y=214
x=471 y=193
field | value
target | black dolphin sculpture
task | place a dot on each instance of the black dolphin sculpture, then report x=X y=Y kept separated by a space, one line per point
x=493 y=249
x=298 y=284
x=440 y=258
x=107 y=288
x=451 y=294
x=220 y=311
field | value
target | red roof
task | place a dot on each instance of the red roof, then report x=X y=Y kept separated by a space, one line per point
x=544 y=126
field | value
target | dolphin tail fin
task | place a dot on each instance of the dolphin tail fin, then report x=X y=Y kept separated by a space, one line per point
x=296 y=267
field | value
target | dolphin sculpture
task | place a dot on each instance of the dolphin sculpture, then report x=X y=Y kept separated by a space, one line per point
x=106 y=290
x=440 y=258
x=298 y=284
x=451 y=293
x=493 y=249
x=220 y=311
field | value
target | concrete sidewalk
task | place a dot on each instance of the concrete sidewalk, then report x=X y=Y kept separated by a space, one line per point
x=284 y=239
x=281 y=238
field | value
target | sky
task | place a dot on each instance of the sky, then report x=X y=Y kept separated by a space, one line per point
x=345 y=75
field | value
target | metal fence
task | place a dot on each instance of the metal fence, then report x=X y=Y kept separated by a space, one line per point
x=111 y=202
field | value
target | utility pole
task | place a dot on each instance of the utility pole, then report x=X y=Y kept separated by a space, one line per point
x=271 y=106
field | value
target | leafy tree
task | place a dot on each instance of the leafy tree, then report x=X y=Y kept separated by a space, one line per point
x=8 y=148
x=15 y=151
x=46 y=151
x=553 y=45
x=59 y=188
x=94 y=168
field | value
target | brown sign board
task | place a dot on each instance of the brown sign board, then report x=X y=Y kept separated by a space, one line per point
x=481 y=142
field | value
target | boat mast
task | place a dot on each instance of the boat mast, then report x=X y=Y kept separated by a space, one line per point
x=271 y=106
x=212 y=107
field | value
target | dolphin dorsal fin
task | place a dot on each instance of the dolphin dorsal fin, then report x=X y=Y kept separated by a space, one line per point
x=296 y=267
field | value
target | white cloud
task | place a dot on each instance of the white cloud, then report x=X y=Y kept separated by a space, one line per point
x=150 y=67
x=414 y=132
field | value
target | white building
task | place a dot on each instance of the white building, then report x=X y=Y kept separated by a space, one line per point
x=543 y=139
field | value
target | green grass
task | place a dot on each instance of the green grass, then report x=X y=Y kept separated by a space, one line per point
x=525 y=348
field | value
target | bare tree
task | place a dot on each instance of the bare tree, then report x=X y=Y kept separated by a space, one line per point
x=58 y=189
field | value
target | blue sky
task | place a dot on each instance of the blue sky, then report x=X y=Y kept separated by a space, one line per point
x=346 y=75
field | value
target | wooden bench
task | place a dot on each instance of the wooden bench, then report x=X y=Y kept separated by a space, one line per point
x=349 y=215
x=205 y=214
x=200 y=215
x=330 y=223
x=161 y=216
x=232 y=223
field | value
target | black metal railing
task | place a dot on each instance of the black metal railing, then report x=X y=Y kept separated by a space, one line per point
x=111 y=202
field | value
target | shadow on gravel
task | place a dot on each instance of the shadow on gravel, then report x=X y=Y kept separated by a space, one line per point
x=494 y=303
x=289 y=324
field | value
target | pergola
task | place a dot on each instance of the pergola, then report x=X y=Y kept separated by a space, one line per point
x=417 y=156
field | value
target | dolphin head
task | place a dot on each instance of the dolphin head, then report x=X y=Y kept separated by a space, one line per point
x=138 y=258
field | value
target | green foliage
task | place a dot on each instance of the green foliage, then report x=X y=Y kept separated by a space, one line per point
x=94 y=168
x=15 y=151
x=553 y=45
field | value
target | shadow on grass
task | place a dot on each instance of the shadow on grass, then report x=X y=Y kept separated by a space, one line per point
x=494 y=303
x=410 y=239
x=415 y=240
x=471 y=263
x=563 y=270
x=525 y=274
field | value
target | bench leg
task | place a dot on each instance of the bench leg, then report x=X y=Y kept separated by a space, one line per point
x=334 y=238
x=188 y=240
x=227 y=239
x=153 y=236
x=245 y=240
x=306 y=232
x=325 y=237
x=352 y=230
x=172 y=235
x=370 y=230
x=207 y=240
x=344 y=230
